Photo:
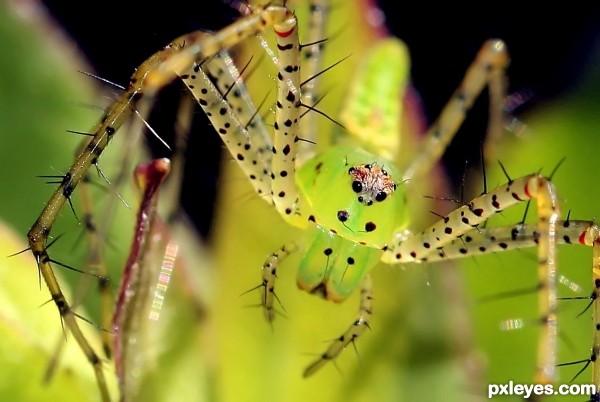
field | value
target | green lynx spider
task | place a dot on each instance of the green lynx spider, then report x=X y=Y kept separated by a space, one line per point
x=349 y=201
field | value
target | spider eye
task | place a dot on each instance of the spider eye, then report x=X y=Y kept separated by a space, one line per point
x=351 y=170
x=357 y=186
x=360 y=199
x=369 y=202
x=381 y=196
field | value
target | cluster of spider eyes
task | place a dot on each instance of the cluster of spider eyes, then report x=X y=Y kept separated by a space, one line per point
x=358 y=186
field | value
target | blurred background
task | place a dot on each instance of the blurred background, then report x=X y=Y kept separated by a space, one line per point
x=432 y=335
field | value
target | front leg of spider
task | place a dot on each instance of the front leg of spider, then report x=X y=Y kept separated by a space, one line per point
x=431 y=242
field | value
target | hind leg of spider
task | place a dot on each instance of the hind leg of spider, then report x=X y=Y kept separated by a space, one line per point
x=269 y=276
x=355 y=330
x=488 y=69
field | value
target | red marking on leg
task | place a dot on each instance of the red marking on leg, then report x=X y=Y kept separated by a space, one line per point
x=582 y=238
x=284 y=34
x=526 y=190
x=516 y=196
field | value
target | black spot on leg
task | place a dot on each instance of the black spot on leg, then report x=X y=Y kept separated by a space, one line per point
x=109 y=130
x=68 y=187
x=495 y=202
x=370 y=226
x=328 y=252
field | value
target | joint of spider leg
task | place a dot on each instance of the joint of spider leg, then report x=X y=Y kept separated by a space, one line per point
x=103 y=283
x=61 y=304
x=88 y=220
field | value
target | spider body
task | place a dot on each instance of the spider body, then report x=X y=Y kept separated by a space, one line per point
x=355 y=206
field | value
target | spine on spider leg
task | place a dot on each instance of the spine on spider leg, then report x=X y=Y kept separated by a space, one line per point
x=312 y=56
x=131 y=345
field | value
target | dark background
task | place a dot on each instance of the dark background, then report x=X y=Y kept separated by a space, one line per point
x=551 y=49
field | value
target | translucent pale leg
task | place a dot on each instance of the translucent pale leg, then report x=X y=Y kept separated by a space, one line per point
x=487 y=69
